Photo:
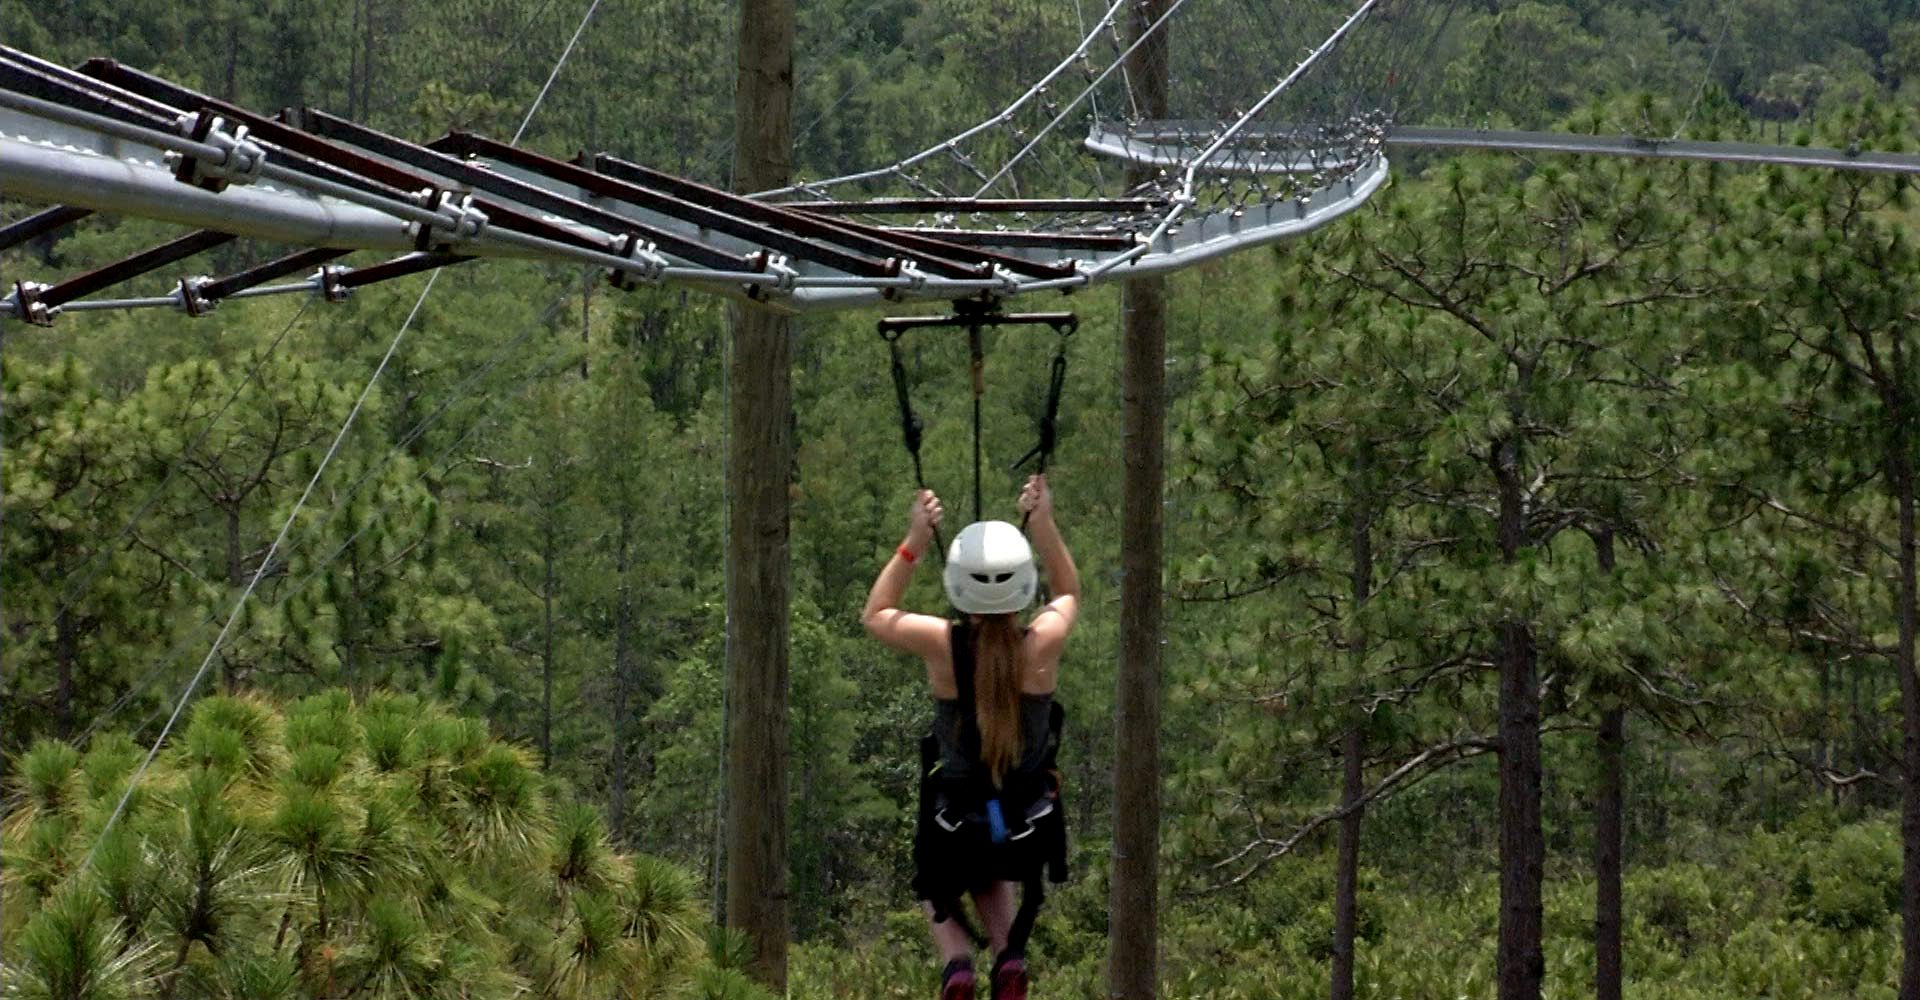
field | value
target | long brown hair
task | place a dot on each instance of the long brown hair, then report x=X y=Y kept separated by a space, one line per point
x=996 y=691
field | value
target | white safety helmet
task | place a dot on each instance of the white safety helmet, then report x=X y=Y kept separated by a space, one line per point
x=990 y=569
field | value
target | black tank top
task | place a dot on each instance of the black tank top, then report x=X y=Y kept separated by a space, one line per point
x=954 y=726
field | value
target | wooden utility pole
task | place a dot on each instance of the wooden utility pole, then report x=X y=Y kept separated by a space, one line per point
x=759 y=460
x=1133 y=968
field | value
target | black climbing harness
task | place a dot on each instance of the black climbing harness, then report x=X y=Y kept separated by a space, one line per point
x=976 y=317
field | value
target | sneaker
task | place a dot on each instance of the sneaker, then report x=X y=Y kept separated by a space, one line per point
x=956 y=983
x=1010 y=979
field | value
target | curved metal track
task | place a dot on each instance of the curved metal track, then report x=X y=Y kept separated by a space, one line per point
x=111 y=139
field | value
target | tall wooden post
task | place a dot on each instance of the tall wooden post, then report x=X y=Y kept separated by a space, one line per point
x=1133 y=967
x=759 y=460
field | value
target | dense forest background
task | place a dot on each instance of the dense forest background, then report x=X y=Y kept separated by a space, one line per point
x=1658 y=420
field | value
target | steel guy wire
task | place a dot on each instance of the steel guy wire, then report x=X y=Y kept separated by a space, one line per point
x=326 y=460
x=259 y=572
x=299 y=586
x=92 y=568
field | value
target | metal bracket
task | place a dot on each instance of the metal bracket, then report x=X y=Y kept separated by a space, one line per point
x=193 y=296
x=643 y=253
x=461 y=221
x=241 y=162
x=330 y=286
x=27 y=306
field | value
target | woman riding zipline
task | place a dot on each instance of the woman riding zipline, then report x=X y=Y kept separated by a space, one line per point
x=990 y=812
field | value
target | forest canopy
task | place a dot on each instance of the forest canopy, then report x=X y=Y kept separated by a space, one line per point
x=1650 y=427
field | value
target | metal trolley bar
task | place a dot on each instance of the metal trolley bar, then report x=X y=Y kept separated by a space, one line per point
x=399 y=267
x=646 y=177
x=1010 y=238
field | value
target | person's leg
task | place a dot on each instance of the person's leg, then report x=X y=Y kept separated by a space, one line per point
x=956 y=956
x=1009 y=972
x=949 y=939
x=995 y=904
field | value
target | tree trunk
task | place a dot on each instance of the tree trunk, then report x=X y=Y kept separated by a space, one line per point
x=622 y=675
x=547 y=553
x=586 y=315
x=1346 y=898
x=1133 y=967
x=353 y=67
x=1902 y=467
x=66 y=654
x=366 y=67
x=1521 y=962
x=1609 y=812
x=1134 y=902
x=1353 y=752
x=759 y=460
x=1609 y=831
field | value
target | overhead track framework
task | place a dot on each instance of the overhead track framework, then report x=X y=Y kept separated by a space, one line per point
x=1011 y=205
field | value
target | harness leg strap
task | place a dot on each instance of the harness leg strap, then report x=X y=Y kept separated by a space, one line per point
x=1032 y=894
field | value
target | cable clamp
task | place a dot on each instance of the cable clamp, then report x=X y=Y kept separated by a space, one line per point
x=327 y=281
x=460 y=222
x=651 y=266
x=786 y=279
x=242 y=161
x=192 y=298
x=26 y=306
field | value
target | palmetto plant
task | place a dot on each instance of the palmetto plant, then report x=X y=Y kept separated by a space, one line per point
x=329 y=849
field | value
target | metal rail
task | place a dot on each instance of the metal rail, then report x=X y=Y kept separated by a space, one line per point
x=1160 y=143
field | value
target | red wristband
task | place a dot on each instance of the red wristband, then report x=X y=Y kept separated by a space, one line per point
x=907 y=554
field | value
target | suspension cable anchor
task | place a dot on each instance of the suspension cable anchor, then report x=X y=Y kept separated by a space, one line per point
x=644 y=254
x=242 y=161
x=26 y=306
x=329 y=282
x=192 y=296
x=459 y=221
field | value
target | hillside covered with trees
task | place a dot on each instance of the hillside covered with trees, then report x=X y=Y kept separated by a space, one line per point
x=1642 y=433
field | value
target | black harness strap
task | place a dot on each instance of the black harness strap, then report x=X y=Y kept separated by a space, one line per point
x=977 y=355
x=976 y=316
x=910 y=425
x=1042 y=452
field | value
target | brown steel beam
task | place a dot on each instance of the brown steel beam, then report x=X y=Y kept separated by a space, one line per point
x=395 y=181
x=970 y=206
x=260 y=274
x=608 y=185
x=950 y=262
x=1047 y=241
x=399 y=267
x=706 y=217
x=39 y=224
x=102 y=278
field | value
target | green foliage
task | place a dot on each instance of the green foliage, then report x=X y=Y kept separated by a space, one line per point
x=295 y=853
x=527 y=528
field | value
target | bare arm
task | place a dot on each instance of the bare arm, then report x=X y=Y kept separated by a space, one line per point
x=922 y=635
x=1051 y=625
